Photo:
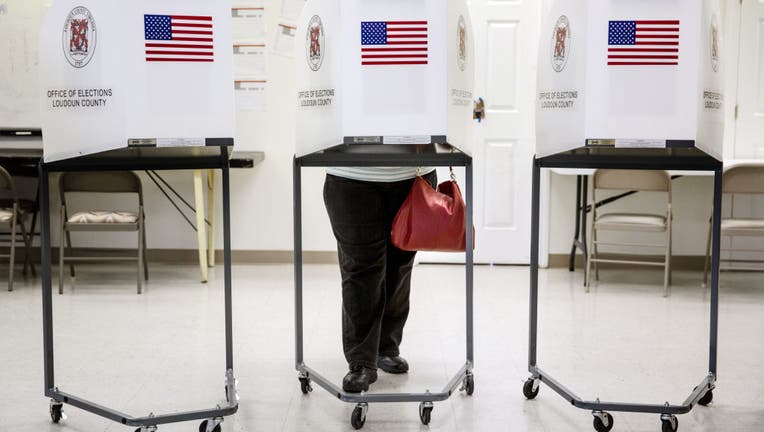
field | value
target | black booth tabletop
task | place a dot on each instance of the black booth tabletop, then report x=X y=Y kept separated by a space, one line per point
x=688 y=159
x=387 y=155
x=144 y=158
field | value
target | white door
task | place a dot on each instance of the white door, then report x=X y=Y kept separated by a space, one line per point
x=750 y=94
x=506 y=43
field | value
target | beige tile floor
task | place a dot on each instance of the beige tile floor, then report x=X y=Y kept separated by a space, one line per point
x=163 y=351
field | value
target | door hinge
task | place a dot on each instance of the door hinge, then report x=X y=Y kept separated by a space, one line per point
x=736 y=111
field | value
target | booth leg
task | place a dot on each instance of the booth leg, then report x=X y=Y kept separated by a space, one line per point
x=716 y=235
x=297 y=192
x=534 y=271
x=45 y=264
x=227 y=259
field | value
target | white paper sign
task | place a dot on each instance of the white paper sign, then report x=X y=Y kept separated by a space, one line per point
x=640 y=143
x=180 y=142
x=249 y=25
x=251 y=95
x=283 y=43
x=291 y=8
x=250 y=61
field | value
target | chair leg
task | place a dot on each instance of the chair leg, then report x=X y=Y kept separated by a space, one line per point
x=211 y=218
x=671 y=259
x=589 y=258
x=667 y=261
x=69 y=245
x=140 y=255
x=708 y=254
x=61 y=248
x=13 y=251
x=145 y=258
x=31 y=239
x=595 y=251
x=667 y=270
x=201 y=235
x=27 y=250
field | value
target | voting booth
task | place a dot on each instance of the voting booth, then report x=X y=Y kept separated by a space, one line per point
x=384 y=72
x=383 y=84
x=142 y=85
x=139 y=72
x=627 y=73
x=629 y=85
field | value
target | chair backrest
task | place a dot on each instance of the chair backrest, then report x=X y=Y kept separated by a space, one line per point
x=100 y=182
x=7 y=185
x=637 y=180
x=744 y=179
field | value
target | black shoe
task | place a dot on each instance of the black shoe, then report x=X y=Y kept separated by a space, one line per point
x=358 y=379
x=393 y=365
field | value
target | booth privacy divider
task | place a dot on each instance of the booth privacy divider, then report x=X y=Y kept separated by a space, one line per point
x=629 y=73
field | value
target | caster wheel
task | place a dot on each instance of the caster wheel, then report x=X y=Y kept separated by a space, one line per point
x=469 y=384
x=425 y=412
x=599 y=424
x=203 y=427
x=707 y=398
x=358 y=418
x=670 y=424
x=56 y=413
x=305 y=386
x=528 y=389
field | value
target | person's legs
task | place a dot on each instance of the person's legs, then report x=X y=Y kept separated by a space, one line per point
x=356 y=212
x=397 y=290
x=397 y=284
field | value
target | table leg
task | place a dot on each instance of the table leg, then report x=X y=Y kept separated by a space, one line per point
x=211 y=218
x=200 y=224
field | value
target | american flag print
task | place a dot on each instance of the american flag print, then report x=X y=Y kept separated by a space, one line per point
x=643 y=43
x=179 y=38
x=394 y=43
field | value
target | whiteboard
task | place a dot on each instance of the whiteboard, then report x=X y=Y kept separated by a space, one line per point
x=20 y=22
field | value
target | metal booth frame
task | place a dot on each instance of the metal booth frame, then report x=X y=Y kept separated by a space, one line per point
x=383 y=155
x=215 y=155
x=687 y=159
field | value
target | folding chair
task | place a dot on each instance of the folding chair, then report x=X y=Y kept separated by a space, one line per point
x=740 y=180
x=648 y=180
x=112 y=182
x=12 y=218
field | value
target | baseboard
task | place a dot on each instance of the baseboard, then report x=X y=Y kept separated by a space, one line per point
x=191 y=256
x=243 y=256
x=678 y=262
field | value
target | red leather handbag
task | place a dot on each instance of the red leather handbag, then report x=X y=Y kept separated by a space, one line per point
x=431 y=220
